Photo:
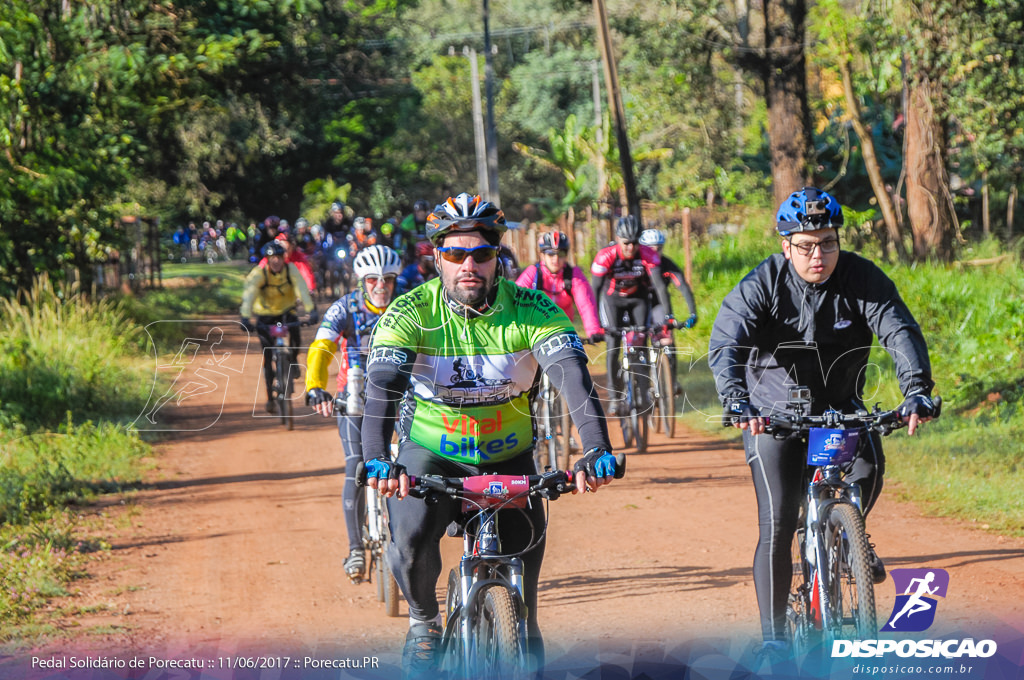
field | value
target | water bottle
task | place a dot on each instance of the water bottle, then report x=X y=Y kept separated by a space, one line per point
x=354 y=402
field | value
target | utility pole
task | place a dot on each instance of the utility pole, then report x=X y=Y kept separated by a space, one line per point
x=492 y=134
x=482 y=176
x=611 y=77
x=604 y=201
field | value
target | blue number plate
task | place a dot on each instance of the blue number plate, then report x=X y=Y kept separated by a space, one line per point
x=831 y=447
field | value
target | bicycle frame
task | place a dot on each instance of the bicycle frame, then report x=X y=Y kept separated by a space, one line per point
x=483 y=567
x=280 y=356
x=825 y=489
x=832 y=508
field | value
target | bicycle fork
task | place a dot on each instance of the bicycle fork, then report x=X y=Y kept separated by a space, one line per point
x=483 y=566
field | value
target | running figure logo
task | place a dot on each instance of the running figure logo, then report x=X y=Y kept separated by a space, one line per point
x=914 y=610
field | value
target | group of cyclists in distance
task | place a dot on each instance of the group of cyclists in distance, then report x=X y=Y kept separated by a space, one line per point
x=441 y=337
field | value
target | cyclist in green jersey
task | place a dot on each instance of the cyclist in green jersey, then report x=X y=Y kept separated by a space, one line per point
x=462 y=354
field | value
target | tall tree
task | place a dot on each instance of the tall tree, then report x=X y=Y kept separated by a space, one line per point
x=841 y=32
x=785 y=86
x=929 y=201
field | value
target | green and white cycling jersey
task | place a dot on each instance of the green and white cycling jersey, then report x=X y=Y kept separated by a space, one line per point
x=472 y=376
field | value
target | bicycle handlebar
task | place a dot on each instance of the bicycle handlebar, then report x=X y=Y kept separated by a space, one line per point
x=502 y=488
x=883 y=422
x=673 y=325
x=281 y=324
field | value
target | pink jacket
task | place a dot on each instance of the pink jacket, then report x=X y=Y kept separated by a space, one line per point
x=554 y=286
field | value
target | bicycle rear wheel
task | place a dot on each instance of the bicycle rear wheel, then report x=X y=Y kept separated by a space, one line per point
x=802 y=632
x=664 y=397
x=499 y=650
x=851 y=589
x=387 y=584
x=544 y=453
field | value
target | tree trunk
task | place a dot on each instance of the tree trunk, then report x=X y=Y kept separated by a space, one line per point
x=1011 y=204
x=786 y=92
x=929 y=203
x=867 y=145
x=986 y=219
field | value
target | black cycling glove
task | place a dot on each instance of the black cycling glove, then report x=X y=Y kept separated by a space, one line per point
x=317 y=396
x=740 y=411
x=917 y=404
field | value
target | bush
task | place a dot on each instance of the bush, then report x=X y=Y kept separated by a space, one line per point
x=58 y=348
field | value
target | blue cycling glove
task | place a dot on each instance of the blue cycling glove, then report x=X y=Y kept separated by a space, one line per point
x=690 y=322
x=380 y=468
x=601 y=463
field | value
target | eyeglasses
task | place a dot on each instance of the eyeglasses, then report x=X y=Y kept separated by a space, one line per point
x=458 y=255
x=375 y=280
x=559 y=253
x=829 y=245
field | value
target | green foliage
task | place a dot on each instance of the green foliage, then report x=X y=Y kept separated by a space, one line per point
x=967 y=464
x=59 y=349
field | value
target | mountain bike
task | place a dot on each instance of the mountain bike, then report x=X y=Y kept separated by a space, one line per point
x=833 y=594
x=485 y=632
x=376 y=537
x=281 y=358
x=635 y=376
x=663 y=383
x=554 y=426
x=551 y=415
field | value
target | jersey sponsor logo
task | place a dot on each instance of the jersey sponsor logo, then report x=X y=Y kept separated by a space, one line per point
x=469 y=386
x=560 y=342
x=388 y=355
x=468 y=425
x=473 y=447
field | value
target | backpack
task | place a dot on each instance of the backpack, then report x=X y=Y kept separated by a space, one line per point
x=266 y=275
x=566 y=278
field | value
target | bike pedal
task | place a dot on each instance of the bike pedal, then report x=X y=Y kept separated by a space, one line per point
x=356 y=578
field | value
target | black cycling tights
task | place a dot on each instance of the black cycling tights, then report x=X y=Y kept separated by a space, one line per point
x=352 y=497
x=417 y=529
x=777 y=468
x=614 y=310
x=266 y=342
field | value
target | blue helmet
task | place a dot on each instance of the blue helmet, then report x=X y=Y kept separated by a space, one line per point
x=808 y=210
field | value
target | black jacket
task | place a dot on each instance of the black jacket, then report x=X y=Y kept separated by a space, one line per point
x=775 y=331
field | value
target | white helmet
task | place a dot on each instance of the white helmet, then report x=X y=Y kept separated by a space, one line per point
x=377 y=261
x=652 y=237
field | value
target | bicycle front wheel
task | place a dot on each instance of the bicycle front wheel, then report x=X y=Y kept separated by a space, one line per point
x=284 y=397
x=638 y=420
x=664 y=397
x=851 y=590
x=564 y=434
x=499 y=650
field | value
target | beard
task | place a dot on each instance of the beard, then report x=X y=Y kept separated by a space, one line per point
x=470 y=297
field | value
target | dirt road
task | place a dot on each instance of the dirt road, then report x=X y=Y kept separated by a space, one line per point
x=235 y=548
